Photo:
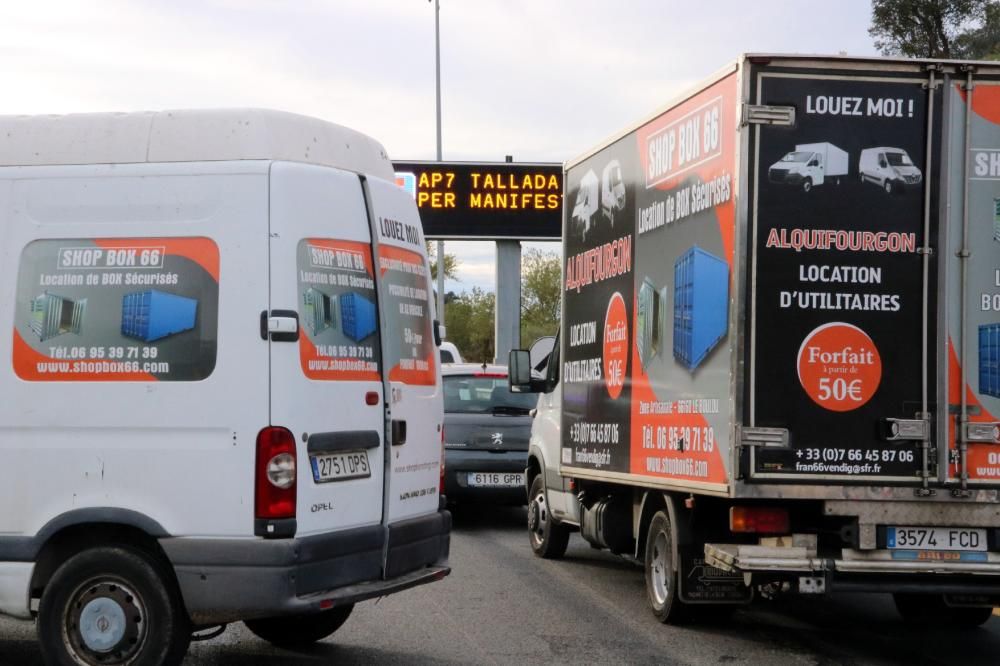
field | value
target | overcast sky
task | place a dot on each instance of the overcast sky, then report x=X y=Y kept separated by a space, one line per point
x=542 y=80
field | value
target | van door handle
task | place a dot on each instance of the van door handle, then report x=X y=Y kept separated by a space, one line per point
x=398 y=432
x=279 y=325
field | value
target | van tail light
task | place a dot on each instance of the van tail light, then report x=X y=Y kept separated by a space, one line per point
x=274 y=474
x=759 y=520
x=441 y=480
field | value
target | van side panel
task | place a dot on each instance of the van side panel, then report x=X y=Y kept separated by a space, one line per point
x=170 y=450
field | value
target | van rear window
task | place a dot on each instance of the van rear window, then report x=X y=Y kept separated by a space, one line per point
x=117 y=309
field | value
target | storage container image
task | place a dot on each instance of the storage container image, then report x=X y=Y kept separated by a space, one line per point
x=357 y=316
x=989 y=360
x=647 y=329
x=53 y=315
x=701 y=305
x=319 y=311
x=151 y=315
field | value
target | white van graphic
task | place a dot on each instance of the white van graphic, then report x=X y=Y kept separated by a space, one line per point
x=586 y=203
x=889 y=168
x=810 y=164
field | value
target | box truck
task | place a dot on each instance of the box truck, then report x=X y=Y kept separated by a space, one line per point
x=810 y=164
x=829 y=419
x=207 y=446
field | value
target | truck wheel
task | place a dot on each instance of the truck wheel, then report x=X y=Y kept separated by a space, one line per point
x=930 y=609
x=661 y=572
x=807 y=184
x=296 y=631
x=888 y=186
x=112 y=605
x=548 y=537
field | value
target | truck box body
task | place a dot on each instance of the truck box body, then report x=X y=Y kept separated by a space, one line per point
x=856 y=362
x=151 y=315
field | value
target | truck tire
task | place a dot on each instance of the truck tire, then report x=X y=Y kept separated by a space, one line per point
x=930 y=609
x=661 y=572
x=889 y=186
x=296 y=631
x=548 y=537
x=807 y=184
x=112 y=605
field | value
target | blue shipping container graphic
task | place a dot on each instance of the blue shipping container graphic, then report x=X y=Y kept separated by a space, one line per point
x=701 y=305
x=151 y=315
x=357 y=316
x=989 y=360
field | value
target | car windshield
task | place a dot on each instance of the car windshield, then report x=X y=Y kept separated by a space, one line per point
x=797 y=156
x=477 y=394
x=898 y=159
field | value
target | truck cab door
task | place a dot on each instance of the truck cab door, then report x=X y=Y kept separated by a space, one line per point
x=326 y=380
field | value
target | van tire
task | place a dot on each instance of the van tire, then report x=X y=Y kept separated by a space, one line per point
x=121 y=586
x=930 y=609
x=889 y=186
x=807 y=184
x=548 y=537
x=661 y=572
x=302 y=630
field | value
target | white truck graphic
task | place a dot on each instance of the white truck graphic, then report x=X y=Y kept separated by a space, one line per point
x=586 y=203
x=889 y=168
x=809 y=165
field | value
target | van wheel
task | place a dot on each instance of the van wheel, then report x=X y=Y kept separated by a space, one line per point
x=112 y=605
x=888 y=186
x=296 y=631
x=661 y=572
x=548 y=537
x=807 y=185
x=930 y=609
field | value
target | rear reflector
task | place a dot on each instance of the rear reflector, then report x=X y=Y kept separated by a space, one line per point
x=759 y=520
x=441 y=480
x=275 y=474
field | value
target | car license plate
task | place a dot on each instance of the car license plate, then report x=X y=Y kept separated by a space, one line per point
x=340 y=466
x=496 y=479
x=936 y=538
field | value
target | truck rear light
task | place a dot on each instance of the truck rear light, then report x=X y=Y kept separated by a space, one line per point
x=759 y=520
x=275 y=470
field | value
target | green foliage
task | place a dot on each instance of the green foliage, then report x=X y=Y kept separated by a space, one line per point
x=541 y=276
x=451 y=262
x=936 y=28
x=469 y=324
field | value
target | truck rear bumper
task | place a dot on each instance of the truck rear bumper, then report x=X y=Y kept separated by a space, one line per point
x=225 y=580
x=861 y=570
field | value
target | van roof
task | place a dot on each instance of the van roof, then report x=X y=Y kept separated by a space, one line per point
x=187 y=136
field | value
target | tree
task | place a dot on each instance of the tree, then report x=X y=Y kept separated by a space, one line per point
x=451 y=262
x=935 y=28
x=469 y=322
x=541 y=275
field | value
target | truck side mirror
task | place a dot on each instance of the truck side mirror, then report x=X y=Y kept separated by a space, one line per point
x=882 y=163
x=519 y=373
x=813 y=163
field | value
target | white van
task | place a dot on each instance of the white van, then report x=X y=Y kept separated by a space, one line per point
x=221 y=394
x=889 y=168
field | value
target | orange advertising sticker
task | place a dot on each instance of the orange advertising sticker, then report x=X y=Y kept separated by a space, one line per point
x=615 y=353
x=839 y=366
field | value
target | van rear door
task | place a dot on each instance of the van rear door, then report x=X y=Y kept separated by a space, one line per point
x=409 y=355
x=326 y=381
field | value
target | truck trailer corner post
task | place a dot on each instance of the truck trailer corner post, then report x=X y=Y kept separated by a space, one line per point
x=828 y=418
x=202 y=338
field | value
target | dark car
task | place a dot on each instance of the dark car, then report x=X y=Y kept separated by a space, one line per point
x=486 y=430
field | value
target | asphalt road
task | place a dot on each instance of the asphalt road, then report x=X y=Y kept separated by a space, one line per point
x=502 y=605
